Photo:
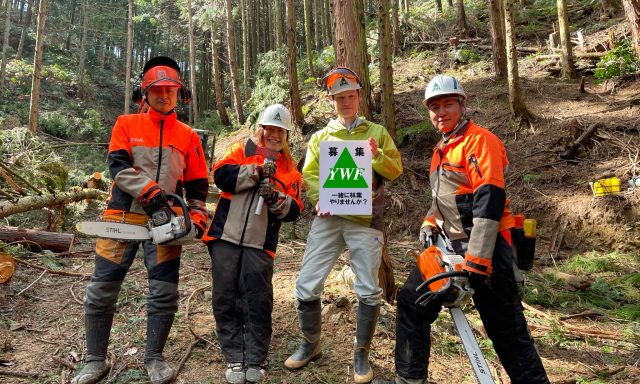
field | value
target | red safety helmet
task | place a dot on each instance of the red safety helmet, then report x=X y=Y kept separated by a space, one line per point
x=161 y=71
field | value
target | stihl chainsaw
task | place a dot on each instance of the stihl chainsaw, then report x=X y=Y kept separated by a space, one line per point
x=443 y=277
x=163 y=227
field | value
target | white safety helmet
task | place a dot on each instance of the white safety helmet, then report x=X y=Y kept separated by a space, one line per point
x=277 y=115
x=442 y=85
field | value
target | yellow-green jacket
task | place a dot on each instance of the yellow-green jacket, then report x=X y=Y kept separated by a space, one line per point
x=387 y=164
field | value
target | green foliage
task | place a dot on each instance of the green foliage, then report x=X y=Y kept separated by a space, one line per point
x=465 y=55
x=210 y=121
x=619 y=61
x=272 y=83
x=326 y=59
x=55 y=123
x=91 y=127
x=591 y=262
x=423 y=128
x=530 y=178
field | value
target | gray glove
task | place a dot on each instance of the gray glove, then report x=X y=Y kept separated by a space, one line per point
x=268 y=192
x=428 y=236
x=269 y=168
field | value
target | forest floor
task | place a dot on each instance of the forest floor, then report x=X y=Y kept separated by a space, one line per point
x=41 y=319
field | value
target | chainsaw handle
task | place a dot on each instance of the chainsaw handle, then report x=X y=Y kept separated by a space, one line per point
x=425 y=297
x=185 y=212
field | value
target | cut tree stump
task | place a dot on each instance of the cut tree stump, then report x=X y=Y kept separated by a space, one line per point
x=37 y=240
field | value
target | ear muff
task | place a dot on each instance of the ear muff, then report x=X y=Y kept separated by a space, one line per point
x=185 y=94
x=136 y=95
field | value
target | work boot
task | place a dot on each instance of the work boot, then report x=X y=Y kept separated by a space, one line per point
x=256 y=373
x=159 y=371
x=365 y=327
x=97 y=329
x=310 y=318
x=235 y=373
x=158 y=328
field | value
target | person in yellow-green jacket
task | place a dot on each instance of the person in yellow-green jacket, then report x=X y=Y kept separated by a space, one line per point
x=329 y=234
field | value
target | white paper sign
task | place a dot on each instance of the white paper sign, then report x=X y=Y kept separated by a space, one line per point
x=345 y=177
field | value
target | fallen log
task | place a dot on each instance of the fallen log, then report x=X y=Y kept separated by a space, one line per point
x=576 y=55
x=519 y=49
x=36 y=240
x=572 y=148
x=580 y=283
x=29 y=203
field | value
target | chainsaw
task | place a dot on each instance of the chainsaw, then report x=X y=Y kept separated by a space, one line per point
x=443 y=277
x=162 y=228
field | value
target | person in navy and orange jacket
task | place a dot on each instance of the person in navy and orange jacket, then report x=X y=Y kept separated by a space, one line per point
x=471 y=209
x=149 y=153
x=258 y=194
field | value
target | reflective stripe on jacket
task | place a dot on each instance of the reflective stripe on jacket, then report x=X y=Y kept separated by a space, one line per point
x=150 y=149
x=386 y=165
x=237 y=176
x=467 y=186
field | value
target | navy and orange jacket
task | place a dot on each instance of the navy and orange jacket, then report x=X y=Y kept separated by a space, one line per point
x=148 y=151
x=467 y=185
x=237 y=175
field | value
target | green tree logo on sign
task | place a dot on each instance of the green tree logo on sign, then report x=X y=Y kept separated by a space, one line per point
x=345 y=173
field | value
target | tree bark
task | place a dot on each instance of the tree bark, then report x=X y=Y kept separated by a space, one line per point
x=499 y=53
x=317 y=25
x=25 y=29
x=216 y=74
x=351 y=47
x=396 y=27
x=632 y=11
x=5 y=44
x=127 y=87
x=568 y=68
x=307 y=36
x=82 y=51
x=29 y=203
x=37 y=240
x=37 y=67
x=294 y=93
x=245 y=50
x=386 y=68
x=516 y=103
x=233 y=66
x=439 y=6
x=463 y=28
x=67 y=45
x=192 y=66
x=278 y=20
x=328 y=31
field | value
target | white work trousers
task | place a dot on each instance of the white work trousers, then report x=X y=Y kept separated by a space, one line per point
x=327 y=239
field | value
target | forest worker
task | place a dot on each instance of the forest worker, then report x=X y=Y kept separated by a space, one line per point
x=149 y=154
x=329 y=234
x=471 y=210
x=260 y=189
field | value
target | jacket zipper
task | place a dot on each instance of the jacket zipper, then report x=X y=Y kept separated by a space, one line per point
x=440 y=154
x=246 y=218
x=160 y=151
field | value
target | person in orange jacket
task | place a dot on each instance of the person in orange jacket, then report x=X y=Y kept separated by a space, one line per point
x=149 y=153
x=260 y=189
x=471 y=209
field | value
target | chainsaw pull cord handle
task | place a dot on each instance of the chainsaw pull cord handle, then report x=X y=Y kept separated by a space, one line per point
x=185 y=212
x=432 y=279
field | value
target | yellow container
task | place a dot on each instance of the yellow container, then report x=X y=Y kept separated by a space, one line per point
x=602 y=187
x=529 y=226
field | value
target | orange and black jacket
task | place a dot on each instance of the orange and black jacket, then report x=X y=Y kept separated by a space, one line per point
x=238 y=175
x=469 y=200
x=149 y=152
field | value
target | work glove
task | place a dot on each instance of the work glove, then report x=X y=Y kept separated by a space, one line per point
x=268 y=192
x=428 y=236
x=155 y=205
x=269 y=169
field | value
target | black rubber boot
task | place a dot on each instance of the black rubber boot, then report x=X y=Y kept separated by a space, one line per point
x=365 y=328
x=97 y=329
x=310 y=318
x=158 y=328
